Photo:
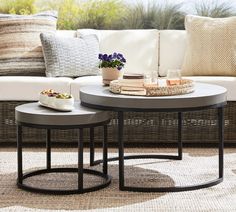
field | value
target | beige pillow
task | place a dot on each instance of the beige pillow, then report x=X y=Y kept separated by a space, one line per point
x=211 y=46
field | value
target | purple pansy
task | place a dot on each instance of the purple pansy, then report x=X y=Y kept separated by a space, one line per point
x=115 y=60
x=100 y=56
x=114 y=55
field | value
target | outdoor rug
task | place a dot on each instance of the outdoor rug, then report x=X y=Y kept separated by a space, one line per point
x=198 y=165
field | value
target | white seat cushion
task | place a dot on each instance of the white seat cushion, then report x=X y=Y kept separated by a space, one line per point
x=172 y=50
x=22 y=88
x=84 y=81
x=228 y=82
x=139 y=47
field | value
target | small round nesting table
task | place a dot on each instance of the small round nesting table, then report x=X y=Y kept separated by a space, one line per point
x=35 y=116
x=204 y=97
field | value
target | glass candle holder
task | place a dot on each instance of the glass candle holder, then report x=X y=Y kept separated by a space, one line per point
x=151 y=79
x=147 y=79
x=155 y=78
x=173 y=77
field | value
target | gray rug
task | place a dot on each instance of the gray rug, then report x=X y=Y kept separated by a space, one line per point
x=198 y=165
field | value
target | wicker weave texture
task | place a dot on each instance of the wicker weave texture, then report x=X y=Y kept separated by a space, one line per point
x=200 y=126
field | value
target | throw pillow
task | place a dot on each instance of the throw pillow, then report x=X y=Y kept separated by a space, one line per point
x=71 y=57
x=211 y=46
x=20 y=46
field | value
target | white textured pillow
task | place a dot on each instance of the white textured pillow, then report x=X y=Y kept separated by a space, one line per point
x=211 y=46
x=139 y=47
x=71 y=57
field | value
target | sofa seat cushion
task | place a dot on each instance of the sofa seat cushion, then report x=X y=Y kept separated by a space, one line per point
x=84 y=81
x=21 y=88
x=139 y=47
x=228 y=82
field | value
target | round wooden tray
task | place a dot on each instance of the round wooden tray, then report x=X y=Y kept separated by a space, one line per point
x=186 y=86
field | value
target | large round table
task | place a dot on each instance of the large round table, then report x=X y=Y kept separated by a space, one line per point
x=204 y=97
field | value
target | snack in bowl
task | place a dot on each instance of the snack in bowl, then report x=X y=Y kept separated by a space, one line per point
x=43 y=97
x=46 y=96
x=55 y=100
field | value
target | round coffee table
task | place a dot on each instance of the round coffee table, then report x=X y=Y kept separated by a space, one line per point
x=36 y=116
x=204 y=97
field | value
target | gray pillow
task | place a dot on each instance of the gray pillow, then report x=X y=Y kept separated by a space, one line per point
x=71 y=57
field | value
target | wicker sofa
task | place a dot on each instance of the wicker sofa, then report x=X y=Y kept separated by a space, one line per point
x=142 y=128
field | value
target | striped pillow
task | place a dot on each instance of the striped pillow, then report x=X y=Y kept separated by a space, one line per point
x=20 y=45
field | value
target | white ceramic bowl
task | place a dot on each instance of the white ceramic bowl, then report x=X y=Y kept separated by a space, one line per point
x=43 y=99
x=51 y=101
x=64 y=103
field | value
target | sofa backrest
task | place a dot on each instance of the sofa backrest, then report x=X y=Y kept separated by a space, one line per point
x=66 y=33
x=172 y=50
x=139 y=47
x=146 y=51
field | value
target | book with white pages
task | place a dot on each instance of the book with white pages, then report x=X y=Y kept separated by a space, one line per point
x=131 y=82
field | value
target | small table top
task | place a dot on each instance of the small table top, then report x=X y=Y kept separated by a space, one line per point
x=204 y=95
x=33 y=113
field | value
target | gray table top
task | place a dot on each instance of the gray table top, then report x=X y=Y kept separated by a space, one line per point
x=203 y=96
x=33 y=113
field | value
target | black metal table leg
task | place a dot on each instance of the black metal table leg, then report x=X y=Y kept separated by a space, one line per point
x=79 y=170
x=91 y=146
x=19 y=154
x=121 y=149
x=129 y=157
x=180 y=144
x=221 y=141
x=48 y=147
x=216 y=181
x=80 y=161
x=105 y=150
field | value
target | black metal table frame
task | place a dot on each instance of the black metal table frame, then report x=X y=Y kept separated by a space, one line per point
x=121 y=157
x=80 y=170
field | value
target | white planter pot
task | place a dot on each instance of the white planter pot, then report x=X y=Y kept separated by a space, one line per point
x=109 y=74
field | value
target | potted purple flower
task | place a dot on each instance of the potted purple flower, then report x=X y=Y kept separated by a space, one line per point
x=111 y=66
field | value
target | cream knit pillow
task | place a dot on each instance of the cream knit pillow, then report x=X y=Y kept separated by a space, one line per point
x=211 y=46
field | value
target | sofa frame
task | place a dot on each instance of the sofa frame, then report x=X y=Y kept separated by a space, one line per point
x=199 y=127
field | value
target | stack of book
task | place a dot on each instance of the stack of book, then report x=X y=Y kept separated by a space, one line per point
x=132 y=82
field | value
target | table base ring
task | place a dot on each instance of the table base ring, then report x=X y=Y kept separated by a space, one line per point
x=107 y=181
x=173 y=188
x=129 y=157
x=161 y=189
